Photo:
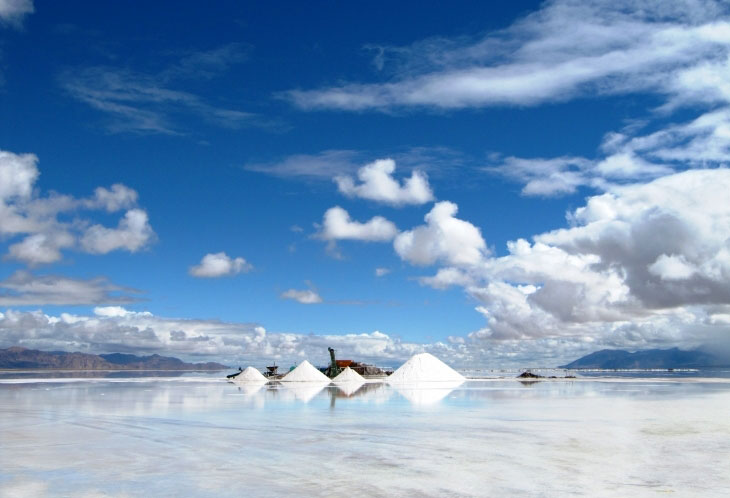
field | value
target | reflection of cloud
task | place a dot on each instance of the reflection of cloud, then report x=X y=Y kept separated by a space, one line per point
x=427 y=393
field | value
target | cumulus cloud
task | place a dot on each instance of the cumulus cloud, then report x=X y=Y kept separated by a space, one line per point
x=444 y=238
x=25 y=289
x=116 y=329
x=566 y=49
x=117 y=197
x=337 y=225
x=377 y=184
x=41 y=248
x=219 y=265
x=24 y=212
x=306 y=296
x=12 y=12
x=643 y=265
x=133 y=233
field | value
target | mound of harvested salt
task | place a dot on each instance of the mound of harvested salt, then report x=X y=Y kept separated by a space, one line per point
x=348 y=375
x=250 y=375
x=305 y=372
x=424 y=367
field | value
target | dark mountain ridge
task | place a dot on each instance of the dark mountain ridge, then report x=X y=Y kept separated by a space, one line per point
x=22 y=358
x=647 y=358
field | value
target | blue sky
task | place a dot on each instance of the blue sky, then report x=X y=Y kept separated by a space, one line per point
x=497 y=184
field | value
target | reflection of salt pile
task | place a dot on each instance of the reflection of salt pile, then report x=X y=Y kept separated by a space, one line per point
x=305 y=372
x=349 y=375
x=251 y=387
x=424 y=367
x=427 y=393
x=302 y=391
x=250 y=375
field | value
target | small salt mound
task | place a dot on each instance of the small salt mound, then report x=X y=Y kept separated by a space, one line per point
x=305 y=372
x=349 y=375
x=250 y=375
x=424 y=367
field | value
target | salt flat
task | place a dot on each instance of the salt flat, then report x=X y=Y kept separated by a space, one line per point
x=202 y=436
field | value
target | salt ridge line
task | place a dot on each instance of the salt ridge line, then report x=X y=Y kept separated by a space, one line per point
x=424 y=367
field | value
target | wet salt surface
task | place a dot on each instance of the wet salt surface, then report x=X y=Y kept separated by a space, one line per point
x=201 y=436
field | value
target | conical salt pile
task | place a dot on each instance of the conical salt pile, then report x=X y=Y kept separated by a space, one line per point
x=250 y=375
x=349 y=375
x=424 y=367
x=305 y=372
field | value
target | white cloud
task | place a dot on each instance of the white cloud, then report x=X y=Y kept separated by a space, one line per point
x=219 y=265
x=641 y=266
x=111 y=311
x=18 y=173
x=377 y=184
x=670 y=267
x=25 y=212
x=337 y=225
x=381 y=272
x=566 y=49
x=41 y=248
x=25 y=289
x=447 y=277
x=117 y=197
x=444 y=238
x=116 y=329
x=307 y=296
x=12 y=12
x=133 y=233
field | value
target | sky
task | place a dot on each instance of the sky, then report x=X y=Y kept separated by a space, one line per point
x=500 y=184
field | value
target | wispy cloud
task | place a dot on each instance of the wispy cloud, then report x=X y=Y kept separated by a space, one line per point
x=26 y=289
x=566 y=49
x=303 y=296
x=12 y=12
x=149 y=103
x=329 y=164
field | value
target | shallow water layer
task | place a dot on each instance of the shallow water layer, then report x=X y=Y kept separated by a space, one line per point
x=202 y=436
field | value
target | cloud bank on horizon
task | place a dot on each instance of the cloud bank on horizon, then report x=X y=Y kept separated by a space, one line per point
x=642 y=262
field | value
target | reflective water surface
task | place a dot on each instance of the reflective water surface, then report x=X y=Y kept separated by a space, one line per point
x=203 y=436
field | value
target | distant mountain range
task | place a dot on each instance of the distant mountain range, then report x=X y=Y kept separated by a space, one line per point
x=22 y=358
x=648 y=358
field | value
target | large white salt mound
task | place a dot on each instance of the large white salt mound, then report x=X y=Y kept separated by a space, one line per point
x=305 y=372
x=250 y=375
x=349 y=375
x=424 y=367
